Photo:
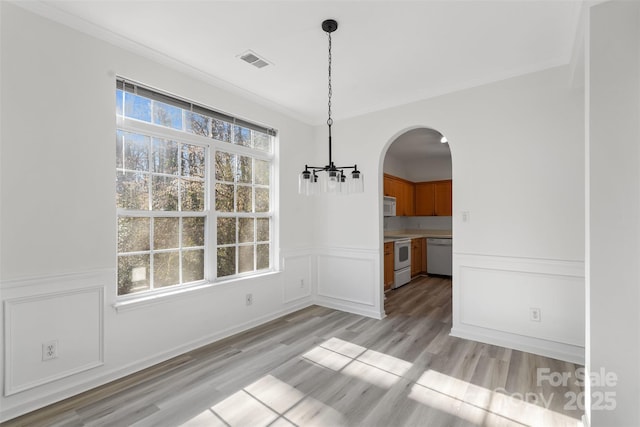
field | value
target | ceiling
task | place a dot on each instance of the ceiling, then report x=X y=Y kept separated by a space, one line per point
x=418 y=144
x=385 y=53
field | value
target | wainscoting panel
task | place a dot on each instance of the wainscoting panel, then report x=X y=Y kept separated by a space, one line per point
x=72 y=320
x=527 y=304
x=349 y=280
x=297 y=273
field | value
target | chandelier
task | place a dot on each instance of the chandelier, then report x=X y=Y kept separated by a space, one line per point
x=330 y=178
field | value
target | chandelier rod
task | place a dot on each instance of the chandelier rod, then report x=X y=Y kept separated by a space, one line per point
x=330 y=26
x=335 y=178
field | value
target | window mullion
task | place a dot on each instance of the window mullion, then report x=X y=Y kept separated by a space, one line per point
x=151 y=253
x=150 y=176
x=235 y=205
x=254 y=201
x=139 y=117
x=180 y=251
x=180 y=174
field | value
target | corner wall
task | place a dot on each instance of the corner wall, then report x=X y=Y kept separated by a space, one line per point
x=58 y=220
x=613 y=275
x=518 y=168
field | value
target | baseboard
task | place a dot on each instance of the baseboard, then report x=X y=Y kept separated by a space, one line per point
x=349 y=307
x=496 y=298
x=555 y=350
x=64 y=393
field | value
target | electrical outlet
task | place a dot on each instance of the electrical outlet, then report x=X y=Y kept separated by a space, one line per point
x=49 y=350
x=534 y=314
x=249 y=299
x=301 y=283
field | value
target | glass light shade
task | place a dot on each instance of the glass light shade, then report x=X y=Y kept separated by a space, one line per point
x=344 y=184
x=355 y=182
x=305 y=184
x=331 y=181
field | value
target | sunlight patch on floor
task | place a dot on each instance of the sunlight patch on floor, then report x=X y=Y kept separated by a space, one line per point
x=327 y=358
x=205 y=419
x=274 y=393
x=312 y=412
x=385 y=362
x=242 y=409
x=479 y=405
x=370 y=374
x=359 y=362
x=343 y=347
x=268 y=402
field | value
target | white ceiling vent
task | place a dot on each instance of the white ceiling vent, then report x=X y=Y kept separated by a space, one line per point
x=253 y=59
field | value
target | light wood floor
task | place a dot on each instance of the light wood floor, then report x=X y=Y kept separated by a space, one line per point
x=322 y=367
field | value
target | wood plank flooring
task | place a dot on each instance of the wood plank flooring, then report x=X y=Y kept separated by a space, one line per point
x=322 y=367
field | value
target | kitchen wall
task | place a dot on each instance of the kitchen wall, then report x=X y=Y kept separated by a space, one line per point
x=417 y=223
x=429 y=168
x=58 y=264
x=419 y=170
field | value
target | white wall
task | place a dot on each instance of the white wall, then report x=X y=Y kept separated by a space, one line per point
x=58 y=219
x=613 y=275
x=518 y=168
x=396 y=167
x=58 y=222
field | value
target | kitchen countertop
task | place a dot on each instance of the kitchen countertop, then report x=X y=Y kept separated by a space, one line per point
x=392 y=236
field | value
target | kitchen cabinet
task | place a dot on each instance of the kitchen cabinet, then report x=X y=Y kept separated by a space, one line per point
x=433 y=198
x=408 y=198
x=390 y=186
x=442 y=197
x=418 y=256
x=388 y=266
x=403 y=191
x=425 y=199
x=424 y=255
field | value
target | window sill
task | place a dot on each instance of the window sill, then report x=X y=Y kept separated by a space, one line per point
x=158 y=298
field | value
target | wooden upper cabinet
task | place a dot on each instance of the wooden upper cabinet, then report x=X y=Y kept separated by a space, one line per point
x=404 y=193
x=390 y=187
x=442 y=197
x=433 y=198
x=409 y=198
x=425 y=199
x=419 y=199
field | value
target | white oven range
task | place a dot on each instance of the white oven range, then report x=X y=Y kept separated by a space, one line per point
x=401 y=262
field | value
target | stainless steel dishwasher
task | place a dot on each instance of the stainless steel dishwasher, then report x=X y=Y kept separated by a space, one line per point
x=439 y=256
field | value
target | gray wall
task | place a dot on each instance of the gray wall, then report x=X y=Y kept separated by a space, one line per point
x=613 y=247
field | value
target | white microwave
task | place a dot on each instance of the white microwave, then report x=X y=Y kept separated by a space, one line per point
x=389 y=206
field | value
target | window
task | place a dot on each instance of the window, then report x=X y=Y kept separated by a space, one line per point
x=193 y=193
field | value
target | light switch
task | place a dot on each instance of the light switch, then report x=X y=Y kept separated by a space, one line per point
x=466 y=216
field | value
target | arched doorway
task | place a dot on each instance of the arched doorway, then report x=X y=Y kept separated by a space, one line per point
x=416 y=169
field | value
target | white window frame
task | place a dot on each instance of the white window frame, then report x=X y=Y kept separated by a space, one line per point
x=210 y=247
x=256 y=215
